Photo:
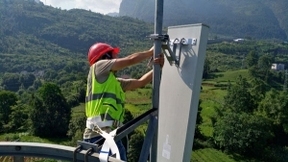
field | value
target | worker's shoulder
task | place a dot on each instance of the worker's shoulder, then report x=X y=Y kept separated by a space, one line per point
x=103 y=62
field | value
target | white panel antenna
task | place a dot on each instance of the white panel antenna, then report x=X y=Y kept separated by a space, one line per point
x=179 y=91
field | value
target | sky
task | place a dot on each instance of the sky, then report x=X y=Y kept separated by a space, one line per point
x=100 y=6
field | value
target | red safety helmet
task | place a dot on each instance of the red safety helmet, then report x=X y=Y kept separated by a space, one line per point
x=97 y=50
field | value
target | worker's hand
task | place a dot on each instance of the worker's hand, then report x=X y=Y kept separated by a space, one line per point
x=151 y=49
x=160 y=60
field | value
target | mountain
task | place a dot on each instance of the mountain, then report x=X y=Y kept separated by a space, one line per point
x=113 y=14
x=36 y=38
x=27 y=22
x=264 y=19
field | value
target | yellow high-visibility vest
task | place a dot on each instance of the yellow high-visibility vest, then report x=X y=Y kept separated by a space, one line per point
x=104 y=99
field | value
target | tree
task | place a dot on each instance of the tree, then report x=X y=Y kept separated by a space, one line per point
x=198 y=137
x=7 y=100
x=76 y=127
x=127 y=117
x=199 y=120
x=11 y=82
x=242 y=133
x=206 y=69
x=264 y=65
x=265 y=62
x=27 y=80
x=252 y=59
x=258 y=89
x=39 y=117
x=261 y=69
x=50 y=74
x=238 y=97
x=18 y=118
x=1 y=127
x=51 y=114
x=37 y=83
x=236 y=128
x=275 y=108
x=135 y=146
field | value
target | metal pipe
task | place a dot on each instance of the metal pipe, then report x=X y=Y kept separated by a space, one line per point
x=150 y=141
x=158 y=25
x=46 y=150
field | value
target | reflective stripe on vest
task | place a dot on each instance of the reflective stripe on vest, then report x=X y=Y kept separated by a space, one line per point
x=103 y=95
x=104 y=99
x=98 y=120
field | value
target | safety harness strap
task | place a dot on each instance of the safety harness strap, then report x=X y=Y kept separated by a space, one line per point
x=108 y=145
x=97 y=120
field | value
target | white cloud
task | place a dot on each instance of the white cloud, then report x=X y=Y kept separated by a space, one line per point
x=100 y=6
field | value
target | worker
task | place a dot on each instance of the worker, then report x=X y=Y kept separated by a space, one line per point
x=105 y=96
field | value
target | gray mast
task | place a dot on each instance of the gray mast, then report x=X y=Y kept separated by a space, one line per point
x=150 y=141
x=158 y=24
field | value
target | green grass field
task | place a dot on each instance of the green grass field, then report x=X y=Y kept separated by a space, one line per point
x=228 y=76
x=212 y=95
x=213 y=155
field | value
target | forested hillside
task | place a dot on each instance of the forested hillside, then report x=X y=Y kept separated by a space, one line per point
x=78 y=27
x=48 y=42
x=257 y=19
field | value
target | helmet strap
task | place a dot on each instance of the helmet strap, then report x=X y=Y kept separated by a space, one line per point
x=106 y=56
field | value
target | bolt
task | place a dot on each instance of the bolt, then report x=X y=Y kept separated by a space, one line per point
x=17 y=148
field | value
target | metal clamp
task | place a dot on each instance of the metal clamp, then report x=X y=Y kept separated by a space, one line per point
x=176 y=44
x=87 y=145
x=164 y=37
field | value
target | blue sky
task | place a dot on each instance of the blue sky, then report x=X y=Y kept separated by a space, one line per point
x=100 y=6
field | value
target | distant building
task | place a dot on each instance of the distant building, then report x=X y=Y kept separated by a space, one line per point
x=239 y=40
x=278 y=67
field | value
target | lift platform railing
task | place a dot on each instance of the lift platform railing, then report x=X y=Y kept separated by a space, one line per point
x=52 y=151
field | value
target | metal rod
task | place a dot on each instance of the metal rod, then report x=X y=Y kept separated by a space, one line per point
x=148 y=140
x=156 y=71
x=122 y=132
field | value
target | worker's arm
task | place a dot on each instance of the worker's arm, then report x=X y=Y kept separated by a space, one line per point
x=132 y=59
x=139 y=83
x=146 y=78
